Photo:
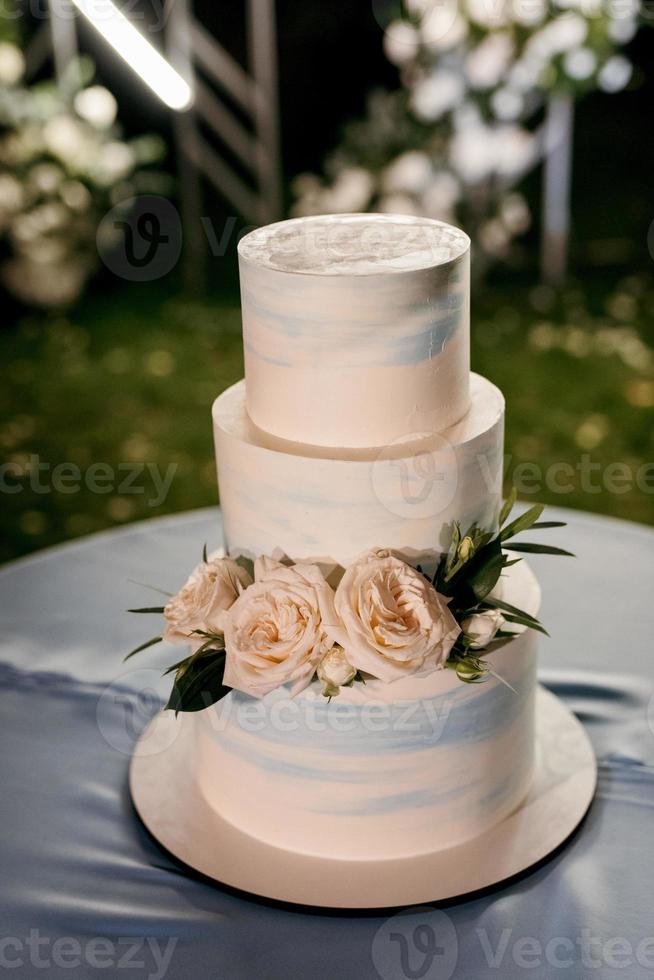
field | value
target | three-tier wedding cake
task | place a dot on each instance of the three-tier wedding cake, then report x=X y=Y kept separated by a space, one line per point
x=360 y=467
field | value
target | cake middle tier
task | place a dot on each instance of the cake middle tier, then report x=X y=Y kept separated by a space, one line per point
x=328 y=505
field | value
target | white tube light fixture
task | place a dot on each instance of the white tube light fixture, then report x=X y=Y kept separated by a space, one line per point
x=144 y=59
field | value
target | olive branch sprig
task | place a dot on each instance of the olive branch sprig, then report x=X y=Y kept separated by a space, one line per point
x=470 y=570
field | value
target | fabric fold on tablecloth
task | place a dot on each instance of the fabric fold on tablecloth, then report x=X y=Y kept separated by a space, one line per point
x=76 y=864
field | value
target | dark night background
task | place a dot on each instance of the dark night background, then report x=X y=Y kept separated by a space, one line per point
x=331 y=56
x=128 y=373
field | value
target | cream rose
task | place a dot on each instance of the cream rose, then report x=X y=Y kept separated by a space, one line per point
x=203 y=600
x=277 y=630
x=394 y=622
x=334 y=671
x=481 y=627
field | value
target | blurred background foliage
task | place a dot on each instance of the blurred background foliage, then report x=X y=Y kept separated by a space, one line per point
x=474 y=112
x=124 y=374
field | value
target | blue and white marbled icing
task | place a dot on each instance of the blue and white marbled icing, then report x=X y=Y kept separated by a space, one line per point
x=356 y=328
x=330 y=506
x=356 y=337
x=384 y=770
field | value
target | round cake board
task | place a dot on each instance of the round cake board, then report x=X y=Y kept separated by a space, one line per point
x=173 y=809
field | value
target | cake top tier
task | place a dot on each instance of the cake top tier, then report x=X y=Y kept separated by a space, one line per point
x=355 y=328
x=354 y=244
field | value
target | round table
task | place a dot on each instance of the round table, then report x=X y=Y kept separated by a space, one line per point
x=84 y=888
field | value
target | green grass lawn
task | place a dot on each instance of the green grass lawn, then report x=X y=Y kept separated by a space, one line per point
x=128 y=379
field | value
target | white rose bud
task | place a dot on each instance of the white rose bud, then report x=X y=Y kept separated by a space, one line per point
x=465 y=549
x=482 y=627
x=335 y=671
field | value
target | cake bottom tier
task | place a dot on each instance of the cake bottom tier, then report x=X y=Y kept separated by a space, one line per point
x=384 y=770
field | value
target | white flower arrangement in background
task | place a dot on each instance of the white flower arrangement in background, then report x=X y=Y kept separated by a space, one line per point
x=65 y=165
x=455 y=140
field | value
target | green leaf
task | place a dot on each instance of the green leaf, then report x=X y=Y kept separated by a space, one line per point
x=508 y=506
x=144 y=646
x=181 y=665
x=525 y=618
x=486 y=538
x=209 y=646
x=453 y=578
x=218 y=637
x=523 y=522
x=527 y=621
x=153 y=588
x=177 y=666
x=486 y=577
x=501 y=604
x=200 y=685
x=542 y=524
x=538 y=549
x=148 y=609
x=480 y=567
x=204 y=553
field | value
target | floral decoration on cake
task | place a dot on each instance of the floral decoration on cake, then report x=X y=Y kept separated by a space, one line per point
x=255 y=627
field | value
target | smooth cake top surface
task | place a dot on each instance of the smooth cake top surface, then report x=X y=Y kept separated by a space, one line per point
x=354 y=244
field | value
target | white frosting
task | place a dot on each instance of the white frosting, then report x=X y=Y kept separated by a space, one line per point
x=330 y=505
x=354 y=244
x=384 y=770
x=356 y=336
x=356 y=328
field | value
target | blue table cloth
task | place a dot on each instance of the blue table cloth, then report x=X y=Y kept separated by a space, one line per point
x=85 y=891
